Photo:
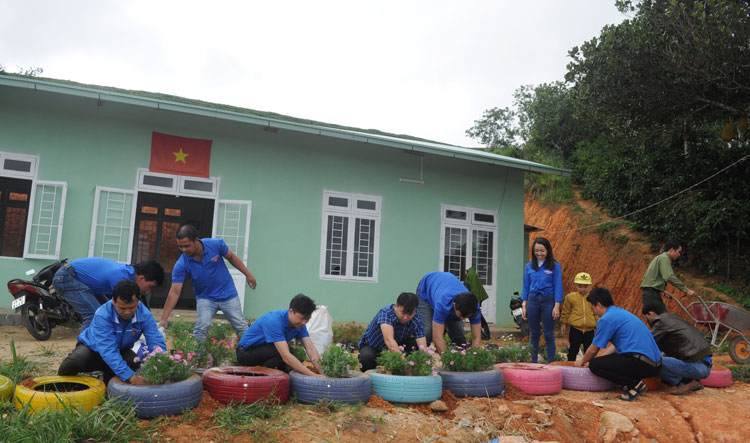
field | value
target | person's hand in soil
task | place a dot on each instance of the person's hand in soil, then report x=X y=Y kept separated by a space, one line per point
x=137 y=380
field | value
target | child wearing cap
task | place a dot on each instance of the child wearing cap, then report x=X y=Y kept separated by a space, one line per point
x=577 y=313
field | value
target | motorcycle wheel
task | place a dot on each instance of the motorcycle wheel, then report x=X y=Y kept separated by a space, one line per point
x=38 y=328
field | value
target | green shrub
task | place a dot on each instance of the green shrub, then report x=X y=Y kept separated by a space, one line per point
x=159 y=368
x=348 y=334
x=460 y=359
x=740 y=373
x=298 y=352
x=417 y=363
x=336 y=361
x=512 y=353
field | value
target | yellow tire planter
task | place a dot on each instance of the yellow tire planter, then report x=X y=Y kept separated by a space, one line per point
x=57 y=392
x=6 y=388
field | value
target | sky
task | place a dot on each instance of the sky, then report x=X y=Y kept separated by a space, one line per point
x=428 y=69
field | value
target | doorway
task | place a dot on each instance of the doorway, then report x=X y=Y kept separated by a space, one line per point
x=158 y=217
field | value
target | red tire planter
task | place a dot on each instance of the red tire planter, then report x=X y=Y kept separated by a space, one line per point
x=581 y=379
x=533 y=378
x=720 y=377
x=246 y=384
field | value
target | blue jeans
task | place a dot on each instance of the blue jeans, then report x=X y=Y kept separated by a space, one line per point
x=539 y=309
x=455 y=329
x=80 y=296
x=674 y=370
x=207 y=309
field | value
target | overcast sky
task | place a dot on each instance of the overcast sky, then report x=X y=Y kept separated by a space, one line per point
x=423 y=68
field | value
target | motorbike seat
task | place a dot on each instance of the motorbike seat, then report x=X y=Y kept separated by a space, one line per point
x=27 y=282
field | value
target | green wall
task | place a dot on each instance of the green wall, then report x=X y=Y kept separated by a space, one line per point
x=284 y=174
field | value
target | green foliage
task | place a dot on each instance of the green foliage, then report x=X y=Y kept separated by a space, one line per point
x=348 y=334
x=512 y=353
x=740 y=373
x=251 y=420
x=159 y=368
x=18 y=368
x=298 y=352
x=111 y=422
x=460 y=359
x=336 y=361
x=218 y=349
x=417 y=363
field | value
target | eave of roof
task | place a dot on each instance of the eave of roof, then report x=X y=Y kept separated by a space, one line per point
x=178 y=104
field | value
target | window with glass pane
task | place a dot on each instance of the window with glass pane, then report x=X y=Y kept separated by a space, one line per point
x=364 y=247
x=454 y=257
x=482 y=255
x=14 y=208
x=336 y=243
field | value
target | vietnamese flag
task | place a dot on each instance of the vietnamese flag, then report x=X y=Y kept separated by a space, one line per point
x=171 y=154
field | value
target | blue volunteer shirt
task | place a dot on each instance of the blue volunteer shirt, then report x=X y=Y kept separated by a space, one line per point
x=271 y=327
x=108 y=334
x=373 y=336
x=546 y=281
x=101 y=274
x=439 y=289
x=627 y=332
x=210 y=276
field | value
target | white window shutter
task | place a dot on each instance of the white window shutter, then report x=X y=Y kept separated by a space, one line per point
x=112 y=224
x=233 y=225
x=45 y=225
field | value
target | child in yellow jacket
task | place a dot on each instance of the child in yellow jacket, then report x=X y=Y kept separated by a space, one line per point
x=577 y=313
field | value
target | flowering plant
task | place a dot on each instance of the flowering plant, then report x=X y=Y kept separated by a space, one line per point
x=461 y=359
x=511 y=353
x=159 y=368
x=417 y=363
x=337 y=360
x=218 y=348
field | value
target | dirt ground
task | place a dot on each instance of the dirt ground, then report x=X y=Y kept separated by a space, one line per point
x=570 y=416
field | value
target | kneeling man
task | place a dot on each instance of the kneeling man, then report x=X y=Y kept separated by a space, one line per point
x=394 y=326
x=106 y=344
x=687 y=354
x=445 y=303
x=265 y=341
x=637 y=355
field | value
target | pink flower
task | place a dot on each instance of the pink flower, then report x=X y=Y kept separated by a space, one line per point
x=453 y=351
x=451 y=362
x=411 y=363
x=401 y=347
x=155 y=368
x=464 y=352
x=523 y=347
x=475 y=353
x=158 y=349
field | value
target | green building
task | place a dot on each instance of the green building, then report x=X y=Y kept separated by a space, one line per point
x=349 y=217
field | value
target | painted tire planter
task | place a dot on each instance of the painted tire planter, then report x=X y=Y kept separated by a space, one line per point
x=720 y=377
x=246 y=384
x=56 y=392
x=349 y=390
x=581 y=379
x=6 y=388
x=474 y=384
x=406 y=388
x=155 y=400
x=533 y=378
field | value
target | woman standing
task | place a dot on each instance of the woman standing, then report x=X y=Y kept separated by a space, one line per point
x=542 y=296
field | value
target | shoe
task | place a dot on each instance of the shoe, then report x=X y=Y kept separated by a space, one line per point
x=634 y=392
x=684 y=388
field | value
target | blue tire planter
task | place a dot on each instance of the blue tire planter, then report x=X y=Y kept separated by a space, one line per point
x=474 y=384
x=154 y=400
x=405 y=388
x=309 y=390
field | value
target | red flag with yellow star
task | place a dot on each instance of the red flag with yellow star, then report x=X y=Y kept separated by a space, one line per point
x=179 y=155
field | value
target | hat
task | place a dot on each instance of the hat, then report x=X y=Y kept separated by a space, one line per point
x=582 y=278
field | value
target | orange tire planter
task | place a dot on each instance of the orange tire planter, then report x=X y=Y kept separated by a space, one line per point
x=246 y=384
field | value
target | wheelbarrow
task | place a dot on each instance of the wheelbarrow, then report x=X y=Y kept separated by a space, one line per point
x=725 y=321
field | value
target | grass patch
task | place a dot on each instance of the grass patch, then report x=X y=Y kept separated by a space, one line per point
x=327 y=406
x=112 y=422
x=45 y=350
x=254 y=420
x=740 y=373
x=18 y=367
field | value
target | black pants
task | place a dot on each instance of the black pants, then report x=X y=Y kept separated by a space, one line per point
x=368 y=355
x=651 y=295
x=578 y=338
x=83 y=359
x=622 y=370
x=265 y=355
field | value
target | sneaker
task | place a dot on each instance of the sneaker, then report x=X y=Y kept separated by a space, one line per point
x=684 y=388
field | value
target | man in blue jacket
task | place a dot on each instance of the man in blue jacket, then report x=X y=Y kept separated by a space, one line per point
x=106 y=344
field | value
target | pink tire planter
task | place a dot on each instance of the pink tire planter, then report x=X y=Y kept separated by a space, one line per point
x=581 y=379
x=533 y=378
x=246 y=384
x=720 y=377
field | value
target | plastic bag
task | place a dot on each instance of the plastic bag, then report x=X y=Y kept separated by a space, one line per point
x=320 y=328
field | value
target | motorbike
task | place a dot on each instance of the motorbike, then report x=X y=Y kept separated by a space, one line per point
x=41 y=307
x=516 y=308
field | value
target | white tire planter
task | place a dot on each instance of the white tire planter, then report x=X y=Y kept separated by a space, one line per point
x=405 y=388
x=474 y=384
x=348 y=390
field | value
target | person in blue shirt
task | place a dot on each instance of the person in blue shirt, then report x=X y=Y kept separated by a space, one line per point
x=395 y=327
x=86 y=283
x=266 y=341
x=542 y=296
x=444 y=303
x=637 y=355
x=202 y=260
x=106 y=344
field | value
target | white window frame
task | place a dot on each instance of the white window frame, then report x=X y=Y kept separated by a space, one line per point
x=35 y=217
x=237 y=277
x=470 y=225
x=33 y=159
x=130 y=226
x=352 y=212
x=178 y=184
